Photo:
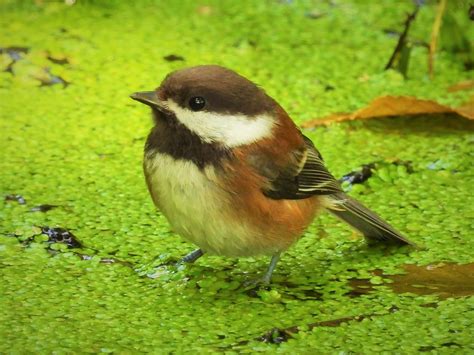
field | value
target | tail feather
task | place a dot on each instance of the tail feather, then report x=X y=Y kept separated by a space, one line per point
x=364 y=220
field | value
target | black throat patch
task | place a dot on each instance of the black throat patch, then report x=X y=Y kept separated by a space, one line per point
x=170 y=137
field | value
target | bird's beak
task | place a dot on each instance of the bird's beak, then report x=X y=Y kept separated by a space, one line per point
x=148 y=98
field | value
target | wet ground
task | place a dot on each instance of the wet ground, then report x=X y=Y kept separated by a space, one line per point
x=80 y=236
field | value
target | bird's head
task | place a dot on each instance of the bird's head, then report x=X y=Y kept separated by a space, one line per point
x=216 y=104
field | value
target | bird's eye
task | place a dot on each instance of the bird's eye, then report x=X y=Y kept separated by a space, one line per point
x=197 y=103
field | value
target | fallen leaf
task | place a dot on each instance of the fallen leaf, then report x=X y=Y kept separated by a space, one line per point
x=448 y=280
x=444 y=280
x=385 y=106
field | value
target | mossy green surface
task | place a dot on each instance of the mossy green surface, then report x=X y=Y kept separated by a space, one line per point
x=80 y=147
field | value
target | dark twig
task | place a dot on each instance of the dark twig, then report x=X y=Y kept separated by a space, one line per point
x=278 y=335
x=402 y=39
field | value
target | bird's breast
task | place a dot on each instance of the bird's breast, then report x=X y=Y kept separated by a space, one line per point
x=222 y=218
x=196 y=206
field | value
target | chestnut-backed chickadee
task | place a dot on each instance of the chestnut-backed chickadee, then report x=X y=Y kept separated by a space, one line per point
x=233 y=174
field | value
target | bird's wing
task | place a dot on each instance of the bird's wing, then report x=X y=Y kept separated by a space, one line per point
x=304 y=175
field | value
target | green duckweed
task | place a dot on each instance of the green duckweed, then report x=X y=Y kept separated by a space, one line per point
x=77 y=143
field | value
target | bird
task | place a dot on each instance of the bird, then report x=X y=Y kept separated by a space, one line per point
x=233 y=174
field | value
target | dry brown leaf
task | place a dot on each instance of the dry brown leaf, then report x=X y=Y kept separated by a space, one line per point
x=385 y=106
x=444 y=280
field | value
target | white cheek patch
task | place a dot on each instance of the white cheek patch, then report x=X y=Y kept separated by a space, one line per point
x=227 y=129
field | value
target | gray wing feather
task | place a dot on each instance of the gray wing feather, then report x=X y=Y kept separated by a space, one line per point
x=303 y=177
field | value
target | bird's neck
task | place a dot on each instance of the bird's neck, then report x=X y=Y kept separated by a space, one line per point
x=170 y=137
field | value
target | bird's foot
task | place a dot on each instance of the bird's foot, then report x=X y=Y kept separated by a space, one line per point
x=258 y=283
x=171 y=265
x=264 y=281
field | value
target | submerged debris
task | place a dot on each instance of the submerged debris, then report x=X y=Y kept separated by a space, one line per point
x=50 y=79
x=359 y=176
x=278 y=335
x=443 y=280
x=59 y=61
x=64 y=236
x=367 y=170
x=45 y=76
x=173 y=58
x=18 y=198
x=15 y=54
x=61 y=235
x=43 y=208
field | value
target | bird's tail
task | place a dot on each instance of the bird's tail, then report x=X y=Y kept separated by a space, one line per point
x=364 y=220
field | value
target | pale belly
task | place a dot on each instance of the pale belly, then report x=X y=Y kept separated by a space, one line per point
x=200 y=210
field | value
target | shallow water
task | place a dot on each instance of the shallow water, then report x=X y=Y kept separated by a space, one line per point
x=72 y=149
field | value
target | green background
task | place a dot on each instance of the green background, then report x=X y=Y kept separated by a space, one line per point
x=80 y=147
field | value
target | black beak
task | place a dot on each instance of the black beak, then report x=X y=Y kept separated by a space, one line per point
x=148 y=98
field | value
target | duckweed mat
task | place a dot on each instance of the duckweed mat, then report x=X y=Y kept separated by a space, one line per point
x=81 y=244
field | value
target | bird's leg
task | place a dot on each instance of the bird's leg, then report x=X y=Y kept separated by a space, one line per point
x=265 y=280
x=268 y=275
x=192 y=256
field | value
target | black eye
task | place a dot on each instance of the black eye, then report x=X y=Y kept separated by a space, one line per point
x=197 y=103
